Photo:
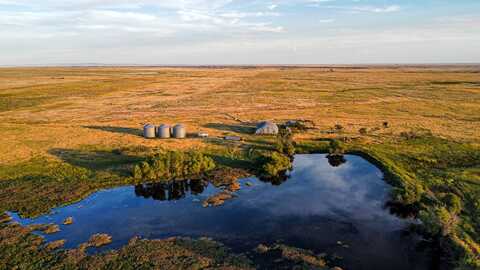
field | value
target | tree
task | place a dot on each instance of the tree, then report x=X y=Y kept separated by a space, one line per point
x=336 y=147
x=439 y=221
x=173 y=165
x=284 y=143
x=276 y=164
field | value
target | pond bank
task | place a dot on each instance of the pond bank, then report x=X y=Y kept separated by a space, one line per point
x=317 y=207
x=409 y=159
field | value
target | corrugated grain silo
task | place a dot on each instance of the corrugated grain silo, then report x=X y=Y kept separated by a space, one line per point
x=179 y=131
x=164 y=131
x=149 y=131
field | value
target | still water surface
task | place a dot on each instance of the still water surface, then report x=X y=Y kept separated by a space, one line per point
x=333 y=209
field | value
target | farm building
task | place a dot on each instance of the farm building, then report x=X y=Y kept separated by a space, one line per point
x=179 y=131
x=266 y=128
x=232 y=138
x=149 y=131
x=163 y=131
x=202 y=135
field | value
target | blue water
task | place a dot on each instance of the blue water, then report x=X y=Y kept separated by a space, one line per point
x=317 y=206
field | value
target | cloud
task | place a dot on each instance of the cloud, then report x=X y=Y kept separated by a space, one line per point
x=272 y=7
x=230 y=31
x=321 y=1
x=326 y=20
x=267 y=28
x=385 y=9
x=355 y=9
x=156 y=17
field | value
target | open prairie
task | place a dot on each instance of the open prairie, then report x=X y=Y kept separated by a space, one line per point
x=67 y=132
x=53 y=108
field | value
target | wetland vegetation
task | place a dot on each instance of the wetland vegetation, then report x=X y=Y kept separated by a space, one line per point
x=428 y=150
x=334 y=211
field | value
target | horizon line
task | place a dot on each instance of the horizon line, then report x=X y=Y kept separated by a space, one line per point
x=393 y=64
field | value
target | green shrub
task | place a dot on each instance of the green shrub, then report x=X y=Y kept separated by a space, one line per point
x=453 y=202
x=173 y=165
x=408 y=195
x=300 y=125
x=336 y=147
x=363 y=131
x=284 y=143
x=276 y=164
x=439 y=221
x=430 y=221
x=137 y=172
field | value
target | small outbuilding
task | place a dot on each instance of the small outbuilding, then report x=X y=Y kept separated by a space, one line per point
x=179 y=131
x=149 y=131
x=202 y=135
x=266 y=128
x=232 y=138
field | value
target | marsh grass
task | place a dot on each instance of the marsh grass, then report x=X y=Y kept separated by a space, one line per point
x=41 y=184
x=429 y=172
x=99 y=239
x=67 y=132
x=23 y=250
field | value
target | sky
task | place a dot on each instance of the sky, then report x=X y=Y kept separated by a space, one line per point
x=238 y=32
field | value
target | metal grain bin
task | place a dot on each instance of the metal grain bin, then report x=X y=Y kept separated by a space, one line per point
x=179 y=131
x=163 y=131
x=149 y=131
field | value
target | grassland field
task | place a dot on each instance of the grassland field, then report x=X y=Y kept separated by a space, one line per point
x=67 y=132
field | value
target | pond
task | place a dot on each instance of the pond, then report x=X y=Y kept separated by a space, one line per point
x=335 y=207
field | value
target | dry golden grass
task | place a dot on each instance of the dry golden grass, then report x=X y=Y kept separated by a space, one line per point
x=72 y=107
x=84 y=117
x=99 y=239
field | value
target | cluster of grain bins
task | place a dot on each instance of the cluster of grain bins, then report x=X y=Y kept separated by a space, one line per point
x=164 y=131
x=179 y=131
